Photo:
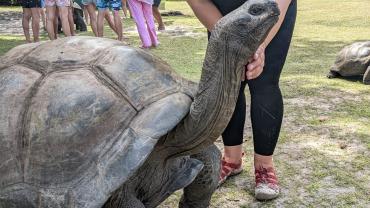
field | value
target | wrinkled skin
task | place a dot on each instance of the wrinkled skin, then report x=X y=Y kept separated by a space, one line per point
x=353 y=60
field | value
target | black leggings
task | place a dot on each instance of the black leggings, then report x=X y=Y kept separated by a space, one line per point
x=266 y=99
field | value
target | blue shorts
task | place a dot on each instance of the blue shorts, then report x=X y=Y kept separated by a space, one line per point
x=113 y=4
x=42 y=3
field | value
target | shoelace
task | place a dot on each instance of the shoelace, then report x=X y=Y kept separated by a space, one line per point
x=265 y=176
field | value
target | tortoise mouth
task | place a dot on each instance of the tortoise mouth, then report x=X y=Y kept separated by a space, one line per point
x=271 y=21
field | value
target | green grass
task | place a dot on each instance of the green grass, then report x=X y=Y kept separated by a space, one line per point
x=314 y=168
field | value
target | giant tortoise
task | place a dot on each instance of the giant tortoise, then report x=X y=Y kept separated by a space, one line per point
x=89 y=122
x=353 y=60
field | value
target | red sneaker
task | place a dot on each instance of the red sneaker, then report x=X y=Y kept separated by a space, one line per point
x=266 y=184
x=229 y=169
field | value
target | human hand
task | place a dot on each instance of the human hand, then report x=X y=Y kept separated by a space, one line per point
x=256 y=63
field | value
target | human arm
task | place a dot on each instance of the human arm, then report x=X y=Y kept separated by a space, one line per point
x=256 y=64
x=210 y=18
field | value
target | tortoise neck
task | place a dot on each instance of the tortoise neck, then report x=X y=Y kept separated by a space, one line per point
x=215 y=99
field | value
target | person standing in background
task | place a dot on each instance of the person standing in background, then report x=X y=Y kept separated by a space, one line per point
x=157 y=15
x=31 y=9
x=90 y=7
x=70 y=19
x=141 y=11
x=124 y=8
x=52 y=15
x=42 y=14
x=103 y=6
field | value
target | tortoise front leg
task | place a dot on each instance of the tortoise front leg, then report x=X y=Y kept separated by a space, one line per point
x=198 y=194
x=366 y=79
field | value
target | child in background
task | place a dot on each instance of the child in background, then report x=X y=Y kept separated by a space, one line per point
x=31 y=9
x=124 y=8
x=89 y=5
x=157 y=15
x=102 y=6
x=141 y=11
x=42 y=14
x=70 y=19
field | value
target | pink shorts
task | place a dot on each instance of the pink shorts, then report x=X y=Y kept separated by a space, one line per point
x=59 y=3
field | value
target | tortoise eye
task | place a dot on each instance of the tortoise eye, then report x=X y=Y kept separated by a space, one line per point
x=257 y=9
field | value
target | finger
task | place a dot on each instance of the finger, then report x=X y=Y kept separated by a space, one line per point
x=255 y=73
x=252 y=66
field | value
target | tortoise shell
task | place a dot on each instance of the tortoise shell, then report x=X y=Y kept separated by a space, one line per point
x=79 y=116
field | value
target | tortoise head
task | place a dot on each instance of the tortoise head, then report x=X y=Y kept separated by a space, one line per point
x=245 y=28
x=235 y=37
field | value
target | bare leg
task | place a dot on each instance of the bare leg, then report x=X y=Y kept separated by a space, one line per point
x=86 y=15
x=233 y=154
x=50 y=23
x=93 y=22
x=63 y=14
x=70 y=21
x=42 y=14
x=367 y=76
x=158 y=18
x=110 y=21
x=100 y=27
x=118 y=24
x=36 y=24
x=26 y=23
x=56 y=22
x=263 y=161
x=124 y=7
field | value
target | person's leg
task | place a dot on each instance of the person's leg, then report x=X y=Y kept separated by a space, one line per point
x=100 y=24
x=26 y=23
x=102 y=7
x=43 y=18
x=93 y=21
x=157 y=14
x=136 y=8
x=124 y=8
x=232 y=136
x=110 y=21
x=116 y=6
x=50 y=23
x=86 y=15
x=267 y=108
x=56 y=22
x=266 y=98
x=71 y=21
x=148 y=15
x=63 y=7
x=35 y=23
x=118 y=24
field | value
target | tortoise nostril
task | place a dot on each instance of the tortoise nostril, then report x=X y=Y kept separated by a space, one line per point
x=257 y=9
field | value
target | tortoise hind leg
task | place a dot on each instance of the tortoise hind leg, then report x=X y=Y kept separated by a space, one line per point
x=366 y=79
x=198 y=194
